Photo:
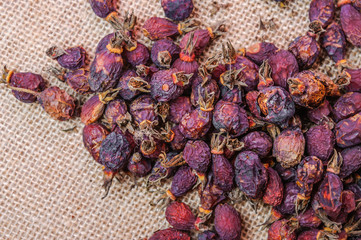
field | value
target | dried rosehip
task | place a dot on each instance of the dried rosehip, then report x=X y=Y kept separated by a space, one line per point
x=251 y=175
x=223 y=172
x=260 y=52
x=351 y=161
x=102 y=8
x=348 y=131
x=311 y=234
x=143 y=109
x=177 y=10
x=287 y=174
x=281 y=230
x=178 y=108
x=308 y=219
x=131 y=85
x=139 y=166
x=351 y=23
x=183 y=181
x=160 y=172
x=27 y=80
x=283 y=65
x=197 y=154
x=179 y=141
x=320 y=141
x=347 y=105
x=227 y=222
x=258 y=142
x=152 y=147
x=196 y=124
x=273 y=194
x=78 y=81
x=170 y=234
x=116 y=113
x=167 y=85
x=306 y=50
x=333 y=40
x=180 y=216
x=93 y=135
x=207 y=235
x=164 y=53
x=71 y=58
x=321 y=13
x=230 y=117
x=210 y=196
x=107 y=66
x=217 y=71
x=232 y=95
x=355 y=80
x=348 y=201
x=137 y=54
x=201 y=88
x=288 y=205
x=317 y=114
x=102 y=45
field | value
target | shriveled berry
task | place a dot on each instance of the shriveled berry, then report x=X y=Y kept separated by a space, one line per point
x=217 y=71
x=273 y=194
x=348 y=201
x=177 y=10
x=170 y=234
x=258 y=142
x=306 y=50
x=332 y=89
x=310 y=234
x=321 y=13
x=78 y=81
x=288 y=205
x=102 y=8
x=351 y=161
x=179 y=141
x=355 y=80
x=227 y=222
x=333 y=40
x=138 y=54
x=309 y=219
x=201 y=39
x=142 y=109
x=116 y=113
x=234 y=95
x=71 y=58
x=260 y=52
x=92 y=109
x=164 y=53
x=196 y=124
x=348 y=131
x=186 y=65
x=152 y=147
x=183 y=181
x=138 y=165
x=180 y=216
x=178 y=108
x=223 y=172
x=159 y=172
x=320 y=141
x=351 y=24
x=347 y=105
x=281 y=230
x=93 y=135
x=317 y=114
x=131 y=85
x=102 y=44
x=210 y=196
x=207 y=235
x=202 y=89
x=197 y=154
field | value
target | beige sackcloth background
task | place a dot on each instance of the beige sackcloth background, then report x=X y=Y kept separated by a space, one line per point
x=50 y=187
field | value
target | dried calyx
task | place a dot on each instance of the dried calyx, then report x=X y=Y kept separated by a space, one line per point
x=188 y=26
x=176 y=161
x=181 y=79
x=162 y=110
x=55 y=52
x=265 y=73
x=232 y=78
x=58 y=73
x=138 y=84
x=206 y=102
x=335 y=163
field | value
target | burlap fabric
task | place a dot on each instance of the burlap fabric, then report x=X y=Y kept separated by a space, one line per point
x=50 y=187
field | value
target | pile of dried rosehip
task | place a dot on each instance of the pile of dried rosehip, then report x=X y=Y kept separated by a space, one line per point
x=260 y=125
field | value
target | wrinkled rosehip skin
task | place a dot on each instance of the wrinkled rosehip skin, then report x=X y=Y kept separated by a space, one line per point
x=315 y=115
x=141 y=168
x=180 y=216
x=258 y=142
x=283 y=65
x=170 y=234
x=273 y=194
x=57 y=103
x=158 y=28
x=348 y=201
x=201 y=39
x=329 y=194
x=309 y=219
x=211 y=195
x=163 y=88
x=197 y=154
x=102 y=8
x=309 y=234
x=223 y=172
x=227 y=222
x=142 y=109
x=347 y=105
x=73 y=59
x=306 y=50
x=125 y=92
x=348 y=131
x=115 y=151
x=186 y=67
x=332 y=89
x=78 y=81
x=104 y=42
x=140 y=55
x=29 y=81
x=92 y=110
x=322 y=11
x=209 y=87
x=351 y=161
x=260 y=52
x=115 y=112
x=160 y=147
x=251 y=175
x=274 y=104
x=159 y=172
x=351 y=24
x=249 y=75
x=217 y=71
x=333 y=40
x=207 y=235
x=195 y=124
x=164 y=45
x=320 y=141
x=93 y=135
x=289 y=147
x=290 y=194
x=281 y=230
x=231 y=117
x=287 y=174
x=177 y=10
x=309 y=172
x=235 y=95
x=105 y=70
x=179 y=141
x=178 y=108
x=355 y=81
x=183 y=181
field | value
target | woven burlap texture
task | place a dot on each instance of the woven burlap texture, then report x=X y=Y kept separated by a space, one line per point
x=50 y=187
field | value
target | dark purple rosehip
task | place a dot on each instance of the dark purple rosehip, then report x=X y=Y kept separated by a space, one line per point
x=347 y=105
x=333 y=40
x=317 y=114
x=143 y=109
x=351 y=161
x=321 y=14
x=281 y=230
x=227 y=222
x=348 y=131
x=311 y=234
x=196 y=124
x=273 y=193
x=178 y=108
x=26 y=80
x=164 y=53
x=183 y=181
x=287 y=174
x=217 y=71
x=288 y=205
x=260 y=52
x=138 y=165
x=187 y=64
x=306 y=50
x=351 y=23
x=309 y=219
x=251 y=175
x=177 y=10
x=131 y=85
x=197 y=154
x=170 y=233
x=223 y=172
x=283 y=65
x=180 y=216
x=234 y=95
x=93 y=136
x=102 y=44
x=137 y=54
x=78 y=81
x=201 y=88
x=116 y=113
x=152 y=147
x=210 y=196
x=258 y=142
x=102 y=8
x=355 y=80
x=207 y=235
x=348 y=201
x=320 y=141
x=71 y=58
x=160 y=172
